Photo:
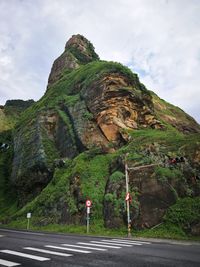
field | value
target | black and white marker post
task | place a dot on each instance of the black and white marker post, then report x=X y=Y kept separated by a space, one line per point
x=28 y=218
x=88 y=205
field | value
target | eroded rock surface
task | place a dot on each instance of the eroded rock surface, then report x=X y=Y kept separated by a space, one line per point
x=78 y=51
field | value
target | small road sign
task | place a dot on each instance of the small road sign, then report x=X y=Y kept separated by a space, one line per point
x=88 y=203
x=28 y=215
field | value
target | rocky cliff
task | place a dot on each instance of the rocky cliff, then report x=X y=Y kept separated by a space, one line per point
x=78 y=51
x=71 y=145
x=9 y=115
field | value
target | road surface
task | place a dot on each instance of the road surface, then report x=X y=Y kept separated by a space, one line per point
x=31 y=249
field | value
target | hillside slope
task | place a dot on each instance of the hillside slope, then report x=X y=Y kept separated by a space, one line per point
x=9 y=115
x=72 y=144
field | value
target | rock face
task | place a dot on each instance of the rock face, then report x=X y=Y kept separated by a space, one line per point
x=78 y=51
x=31 y=169
x=97 y=108
x=153 y=189
x=123 y=106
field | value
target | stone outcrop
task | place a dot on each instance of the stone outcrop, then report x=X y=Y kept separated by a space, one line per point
x=122 y=106
x=78 y=51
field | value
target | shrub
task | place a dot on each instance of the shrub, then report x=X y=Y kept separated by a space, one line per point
x=164 y=174
x=184 y=213
x=117 y=176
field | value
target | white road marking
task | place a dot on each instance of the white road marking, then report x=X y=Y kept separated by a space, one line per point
x=48 y=251
x=132 y=241
x=70 y=249
x=12 y=252
x=98 y=245
x=8 y=263
x=106 y=242
x=75 y=246
x=21 y=232
x=128 y=244
x=1 y=235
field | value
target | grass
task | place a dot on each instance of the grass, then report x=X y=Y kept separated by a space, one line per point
x=7 y=122
x=169 y=142
x=165 y=174
x=11 y=112
x=184 y=213
x=65 y=118
x=164 y=231
x=49 y=148
x=95 y=229
x=147 y=136
x=168 y=231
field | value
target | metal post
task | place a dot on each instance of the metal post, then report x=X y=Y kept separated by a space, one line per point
x=127 y=202
x=28 y=223
x=88 y=219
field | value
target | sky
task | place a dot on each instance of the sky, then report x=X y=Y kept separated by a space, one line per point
x=158 y=39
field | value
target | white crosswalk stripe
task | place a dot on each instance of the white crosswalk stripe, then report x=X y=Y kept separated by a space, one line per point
x=24 y=255
x=107 y=242
x=69 y=249
x=132 y=241
x=76 y=246
x=8 y=263
x=80 y=247
x=122 y=243
x=98 y=245
x=48 y=252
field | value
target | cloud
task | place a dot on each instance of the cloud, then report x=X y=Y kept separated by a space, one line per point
x=158 y=39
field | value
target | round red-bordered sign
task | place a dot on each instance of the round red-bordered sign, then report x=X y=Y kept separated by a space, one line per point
x=88 y=203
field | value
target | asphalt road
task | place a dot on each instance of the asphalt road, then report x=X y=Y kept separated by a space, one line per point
x=26 y=248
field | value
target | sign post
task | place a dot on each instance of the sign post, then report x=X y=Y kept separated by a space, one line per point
x=28 y=222
x=127 y=201
x=88 y=204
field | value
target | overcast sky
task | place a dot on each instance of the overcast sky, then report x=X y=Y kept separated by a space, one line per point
x=158 y=39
